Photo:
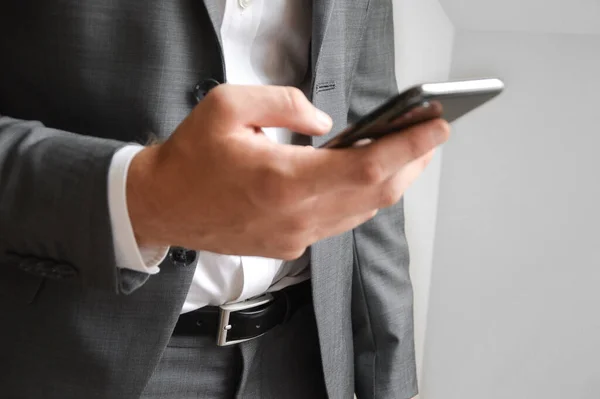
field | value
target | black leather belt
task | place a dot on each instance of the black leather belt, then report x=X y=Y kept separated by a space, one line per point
x=243 y=321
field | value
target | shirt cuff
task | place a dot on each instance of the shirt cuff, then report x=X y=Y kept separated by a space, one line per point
x=127 y=252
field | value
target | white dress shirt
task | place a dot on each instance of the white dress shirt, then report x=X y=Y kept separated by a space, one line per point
x=265 y=42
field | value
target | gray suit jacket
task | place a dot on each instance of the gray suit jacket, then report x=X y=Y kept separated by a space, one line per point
x=78 y=80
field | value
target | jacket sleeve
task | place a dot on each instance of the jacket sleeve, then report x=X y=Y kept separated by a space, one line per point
x=382 y=300
x=54 y=218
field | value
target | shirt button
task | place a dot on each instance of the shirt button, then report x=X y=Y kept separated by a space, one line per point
x=182 y=256
x=244 y=3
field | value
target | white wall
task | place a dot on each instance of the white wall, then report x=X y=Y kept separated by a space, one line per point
x=515 y=298
x=541 y=16
x=424 y=37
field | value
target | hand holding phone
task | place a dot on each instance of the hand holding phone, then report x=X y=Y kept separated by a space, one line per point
x=447 y=100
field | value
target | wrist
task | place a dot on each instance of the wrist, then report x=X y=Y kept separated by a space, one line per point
x=143 y=199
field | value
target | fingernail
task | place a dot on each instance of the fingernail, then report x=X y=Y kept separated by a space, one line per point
x=323 y=119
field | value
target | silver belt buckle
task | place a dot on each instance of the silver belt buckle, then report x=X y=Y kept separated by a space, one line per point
x=225 y=312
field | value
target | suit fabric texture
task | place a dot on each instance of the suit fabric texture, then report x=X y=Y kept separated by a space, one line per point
x=79 y=79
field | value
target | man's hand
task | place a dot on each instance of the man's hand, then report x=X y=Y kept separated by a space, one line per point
x=219 y=184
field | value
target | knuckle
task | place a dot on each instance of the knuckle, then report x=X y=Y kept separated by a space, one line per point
x=371 y=171
x=390 y=195
x=220 y=97
x=366 y=217
x=441 y=125
x=293 y=255
x=218 y=91
x=298 y=226
x=294 y=98
x=416 y=147
x=290 y=249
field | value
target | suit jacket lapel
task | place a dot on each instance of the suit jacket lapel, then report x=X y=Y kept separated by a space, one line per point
x=216 y=11
x=322 y=11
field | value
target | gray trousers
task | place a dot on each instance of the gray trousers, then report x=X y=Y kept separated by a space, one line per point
x=284 y=363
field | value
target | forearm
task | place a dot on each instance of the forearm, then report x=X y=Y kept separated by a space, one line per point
x=53 y=201
x=130 y=252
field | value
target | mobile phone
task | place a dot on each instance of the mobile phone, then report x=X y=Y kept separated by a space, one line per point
x=447 y=100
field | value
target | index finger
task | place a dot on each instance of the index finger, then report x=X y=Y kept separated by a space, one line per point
x=372 y=164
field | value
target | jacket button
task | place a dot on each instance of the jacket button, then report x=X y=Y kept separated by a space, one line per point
x=182 y=256
x=202 y=88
